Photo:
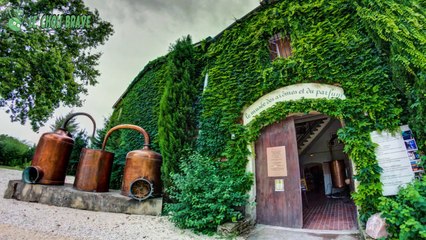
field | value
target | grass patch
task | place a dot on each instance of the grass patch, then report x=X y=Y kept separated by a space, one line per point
x=12 y=168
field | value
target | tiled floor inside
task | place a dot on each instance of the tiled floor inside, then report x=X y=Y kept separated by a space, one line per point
x=324 y=213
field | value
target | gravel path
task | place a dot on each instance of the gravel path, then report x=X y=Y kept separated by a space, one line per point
x=23 y=220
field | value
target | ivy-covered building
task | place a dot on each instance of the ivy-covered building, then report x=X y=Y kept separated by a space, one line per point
x=286 y=100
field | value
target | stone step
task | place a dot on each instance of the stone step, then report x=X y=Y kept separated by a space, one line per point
x=67 y=196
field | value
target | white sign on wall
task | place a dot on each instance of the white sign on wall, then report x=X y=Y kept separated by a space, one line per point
x=292 y=92
x=392 y=157
x=279 y=185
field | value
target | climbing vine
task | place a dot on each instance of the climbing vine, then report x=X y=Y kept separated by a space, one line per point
x=139 y=106
x=398 y=27
x=329 y=46
x=355 y=136
x=374 y=50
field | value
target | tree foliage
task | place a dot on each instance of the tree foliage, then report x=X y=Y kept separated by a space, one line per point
x=100 y=134
x=72 y=125
x=176 y=122
x=42 y=68
x=14 y=152
x=81 y=141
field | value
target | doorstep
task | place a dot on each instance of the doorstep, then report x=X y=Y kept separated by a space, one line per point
x=266 y=232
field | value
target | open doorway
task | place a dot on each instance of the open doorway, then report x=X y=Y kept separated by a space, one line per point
x=326 y=174
x=303 y=178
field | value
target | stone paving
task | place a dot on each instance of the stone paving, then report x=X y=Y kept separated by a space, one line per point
x=264 y=232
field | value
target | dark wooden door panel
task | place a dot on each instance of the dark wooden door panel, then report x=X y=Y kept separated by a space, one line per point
x=273 y=207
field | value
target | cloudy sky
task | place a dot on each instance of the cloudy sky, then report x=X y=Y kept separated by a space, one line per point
x=144 y=30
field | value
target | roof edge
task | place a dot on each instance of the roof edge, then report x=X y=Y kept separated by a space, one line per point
x=263 y=3
x=150 y=65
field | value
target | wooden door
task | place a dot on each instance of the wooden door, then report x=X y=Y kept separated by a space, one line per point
x=279 y=208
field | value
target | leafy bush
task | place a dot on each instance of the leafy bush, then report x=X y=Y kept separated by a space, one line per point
x=206 y=195
x=14 y=152
x=406 y=212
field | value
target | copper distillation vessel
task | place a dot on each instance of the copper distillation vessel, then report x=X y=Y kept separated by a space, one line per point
x=142 y=171
x=337 y=167
x=52 y=155
x=94 y=170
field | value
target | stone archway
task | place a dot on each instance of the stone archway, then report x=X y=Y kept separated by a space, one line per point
x=289 y=93
x=285 y=208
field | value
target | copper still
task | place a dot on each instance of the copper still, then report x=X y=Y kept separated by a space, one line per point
x=51 y=157
x=142 y=171
x=94 y=170
x=337 y=168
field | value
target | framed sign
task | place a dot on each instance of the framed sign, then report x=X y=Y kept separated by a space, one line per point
x=279 y=185
x=276 y=161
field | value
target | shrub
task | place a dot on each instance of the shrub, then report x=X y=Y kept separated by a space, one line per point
x=405 y=213
x=14 y=152
x=205 y=195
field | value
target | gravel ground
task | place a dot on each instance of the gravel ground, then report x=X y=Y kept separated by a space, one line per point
x=24 y=220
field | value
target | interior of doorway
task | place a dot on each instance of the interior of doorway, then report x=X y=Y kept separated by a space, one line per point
x=326 y=174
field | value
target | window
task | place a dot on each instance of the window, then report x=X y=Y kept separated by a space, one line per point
x=279 y=46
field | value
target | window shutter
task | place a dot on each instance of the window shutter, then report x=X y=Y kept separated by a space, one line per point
x=273 y=50
x=279 y=46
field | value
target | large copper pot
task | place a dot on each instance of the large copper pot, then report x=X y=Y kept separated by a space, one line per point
x=51 y=157
x=94 y=170
x=142 y=171
x=337 y=168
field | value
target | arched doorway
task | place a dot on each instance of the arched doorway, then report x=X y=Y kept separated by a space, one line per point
x=296 y=184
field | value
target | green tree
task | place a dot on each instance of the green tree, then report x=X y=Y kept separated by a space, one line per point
x=72 y=126
x=100 y=134
x=176 y=122
x=14 y=152
x=80 y=141
x=41 y=68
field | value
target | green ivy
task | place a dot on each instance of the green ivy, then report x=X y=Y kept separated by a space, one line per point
x=398 y=26
x=406 y=212
x=374 y=50
x=355 y=136
x=329 y=46
x=139 y=106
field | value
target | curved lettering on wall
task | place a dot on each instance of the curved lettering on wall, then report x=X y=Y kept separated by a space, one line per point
x=289 y=93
